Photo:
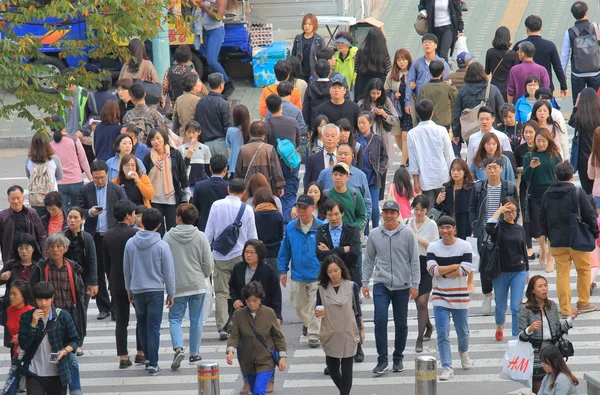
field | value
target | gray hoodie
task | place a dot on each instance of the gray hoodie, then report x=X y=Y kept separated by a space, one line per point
x=392 y=260
x=192 y=256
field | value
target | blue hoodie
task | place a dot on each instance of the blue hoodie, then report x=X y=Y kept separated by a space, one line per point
x=148 y=264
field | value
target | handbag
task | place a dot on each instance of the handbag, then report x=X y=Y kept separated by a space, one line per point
x=581 y=237
x=489 y=257
x=274 y=353
x=518 y=362
x=469 y=118
x=565 y=347
x=421 y=26
x=574 y=160
x=434 y=214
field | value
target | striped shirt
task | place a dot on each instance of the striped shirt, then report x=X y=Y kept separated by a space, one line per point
x=450 y=292
x=493 y=200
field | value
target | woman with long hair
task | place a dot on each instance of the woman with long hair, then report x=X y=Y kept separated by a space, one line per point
x=296 y=76
x=107 y=130
x=401 y=191
x=427 y=232
x=585 y=118
x=529 y=130
x=168 y=174
x=395 y=87
x=371 y=61
x=139 y=65
x=125 y=104
x=342 y=326
x=538 y=171
x=315 y=191
x=593 y=166
x=559 y=380
x=490 y=146
x=255 y=182
x=525 y=104
x=542 y=114
x=315 y=143
x=238 y=134
x=269 y=223
x=44 y=170
x=307 y=44
x=136 y=184
x=537 y=314
x=123 y=145
x=454 y=199
x=347 y=135
x=500 y=59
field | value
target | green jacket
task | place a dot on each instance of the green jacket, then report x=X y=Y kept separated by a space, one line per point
x=346 y=67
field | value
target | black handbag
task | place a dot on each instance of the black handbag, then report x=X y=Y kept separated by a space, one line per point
x=582 y=238
x=565 y=347
x=489 y=256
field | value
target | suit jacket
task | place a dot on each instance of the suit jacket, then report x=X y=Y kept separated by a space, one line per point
x=206 y=192
x=350 y=237
x=113 y=250
x=87 y=199
x=314 y=165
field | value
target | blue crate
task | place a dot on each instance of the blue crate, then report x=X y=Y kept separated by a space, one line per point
x=237 y=38
x=264 y=61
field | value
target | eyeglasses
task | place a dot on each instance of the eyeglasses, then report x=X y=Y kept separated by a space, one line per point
x=510 y=212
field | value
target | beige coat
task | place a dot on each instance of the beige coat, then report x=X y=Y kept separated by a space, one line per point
x=339 y=333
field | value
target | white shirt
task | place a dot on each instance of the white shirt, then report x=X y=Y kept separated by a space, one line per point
x=431 y=154
x=561 y=138
x=326 y=158
x=475 y=139
x=222 y=214
x=441 y=16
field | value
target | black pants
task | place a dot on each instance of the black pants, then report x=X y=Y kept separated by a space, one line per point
x=122 y=311
x=343 y=379
x=444 y=36
x=102 y=298
x=586 y=184
x=37 y=385
x=169 y=212
x=579 y=83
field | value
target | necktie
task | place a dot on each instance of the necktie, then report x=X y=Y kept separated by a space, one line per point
x=331 y=163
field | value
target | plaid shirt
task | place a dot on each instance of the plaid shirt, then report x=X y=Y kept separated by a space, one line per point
x=59 y=278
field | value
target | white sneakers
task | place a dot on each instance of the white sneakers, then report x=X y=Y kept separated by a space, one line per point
x=486 y=306
x=447 y=374
x=465 y=361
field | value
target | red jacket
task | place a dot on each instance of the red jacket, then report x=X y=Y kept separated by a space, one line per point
x=13 y=316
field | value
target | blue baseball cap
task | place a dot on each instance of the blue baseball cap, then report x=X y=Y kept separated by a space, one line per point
x=463 y=58
x=337 y=78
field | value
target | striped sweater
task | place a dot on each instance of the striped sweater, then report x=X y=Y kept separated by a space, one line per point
x=450 y=292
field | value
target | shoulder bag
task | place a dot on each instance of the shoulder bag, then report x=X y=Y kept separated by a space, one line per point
x=274 y=353
x=228 y=238
x=469 y=121
x=582 y=238
x=489 y=261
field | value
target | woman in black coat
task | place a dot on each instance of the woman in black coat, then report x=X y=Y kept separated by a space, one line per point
x=454 y=199
x=500 y=59
x=269 y=223
x=447 y=34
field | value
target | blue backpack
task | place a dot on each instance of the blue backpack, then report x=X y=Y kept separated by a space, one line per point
x=288 y=153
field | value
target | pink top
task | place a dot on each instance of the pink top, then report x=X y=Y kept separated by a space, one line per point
x=594 y=174
x=402 y=201
x=74 y=161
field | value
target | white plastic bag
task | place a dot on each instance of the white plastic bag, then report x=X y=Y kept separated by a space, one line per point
x=207 y=307
x=518 y=362
x=475 y=256
x=460 y=46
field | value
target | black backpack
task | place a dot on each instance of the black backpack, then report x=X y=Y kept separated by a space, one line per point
x=228 y=238
x=175 y=80
x=585 y=50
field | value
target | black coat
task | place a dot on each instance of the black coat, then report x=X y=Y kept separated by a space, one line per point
x=87 y=199
x=456 y=20
x=113 y=250
x=314 y=165
x=206 y=192
x=178 y=171
x=266 y=276
x=350 y=237
x=269 y=227
x=83 y=250
x=459 y=209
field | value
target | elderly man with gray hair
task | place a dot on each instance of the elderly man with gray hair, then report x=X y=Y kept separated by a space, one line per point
x=516 y=78
x=325 y=158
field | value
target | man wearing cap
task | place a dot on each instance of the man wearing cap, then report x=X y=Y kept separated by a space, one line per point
x=419 y=74
x=393 y=256
x=339 y=107
x=485 y=200
x=355 y=212
x=517 y=75
x=463 y=60
x=298 y=247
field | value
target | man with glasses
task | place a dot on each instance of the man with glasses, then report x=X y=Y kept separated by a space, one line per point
x=485 y=200
x=98 y=198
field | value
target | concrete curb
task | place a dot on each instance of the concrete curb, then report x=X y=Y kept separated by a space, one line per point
x=8 y=142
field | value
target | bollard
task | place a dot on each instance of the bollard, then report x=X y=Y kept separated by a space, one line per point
x=208 y=378
x=426 y=375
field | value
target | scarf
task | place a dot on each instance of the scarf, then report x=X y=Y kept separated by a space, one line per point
x=160 y=175
x=265 y=207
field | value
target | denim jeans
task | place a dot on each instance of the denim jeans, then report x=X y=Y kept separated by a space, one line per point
x=75 y=385
x=442 y=326
x=381 y=299
x=176 y=312
x=374 y=214
x=70 y=192
x=516 y=282
x=148 y=312
x=259 y=382
x=213 y=40
x=289 y=192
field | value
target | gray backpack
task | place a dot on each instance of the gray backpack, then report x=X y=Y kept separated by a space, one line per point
x=586 y=51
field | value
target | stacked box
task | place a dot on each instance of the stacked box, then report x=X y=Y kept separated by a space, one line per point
x=263 y=62
x=261 y=34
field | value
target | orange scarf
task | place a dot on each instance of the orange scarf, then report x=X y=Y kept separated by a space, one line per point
x=265 y=207
x=161 y=175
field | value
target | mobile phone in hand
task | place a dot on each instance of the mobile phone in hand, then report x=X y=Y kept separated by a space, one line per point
x=53 y=358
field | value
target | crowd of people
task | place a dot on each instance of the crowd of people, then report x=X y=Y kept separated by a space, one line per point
x=207 y=199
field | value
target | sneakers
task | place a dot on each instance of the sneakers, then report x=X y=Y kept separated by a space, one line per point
x=486 y=306
x=195 y=358
x=125 y=363
x=314 y=343
x=179 y=356
x=586 y=308
x=154 y=370
x=398 y=366
x=139 y=359
x=381 y=368
x=465 y=361
x=499 y=334
x=223 y=335
x=447 y=374
x=360 y=355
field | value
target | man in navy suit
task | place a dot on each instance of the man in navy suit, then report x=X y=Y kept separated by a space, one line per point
x=325 y=158
x=206 y=192
x=98 y=198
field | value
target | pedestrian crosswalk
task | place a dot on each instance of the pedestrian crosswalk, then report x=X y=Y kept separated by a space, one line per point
x=101 y=375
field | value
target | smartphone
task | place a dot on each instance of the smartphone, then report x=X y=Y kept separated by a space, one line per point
x=53 y=358
x=535 y=158
x=99 y=208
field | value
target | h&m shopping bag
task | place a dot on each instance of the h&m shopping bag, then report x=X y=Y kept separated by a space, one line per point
x=518 y=362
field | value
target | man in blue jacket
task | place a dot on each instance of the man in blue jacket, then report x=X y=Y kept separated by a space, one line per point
x=148 y=268
x=299 y=247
